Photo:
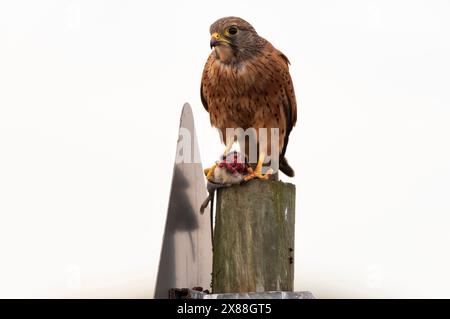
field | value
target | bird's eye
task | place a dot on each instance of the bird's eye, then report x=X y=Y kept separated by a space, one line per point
x=232 y=30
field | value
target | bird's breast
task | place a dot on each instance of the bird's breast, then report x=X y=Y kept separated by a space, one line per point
x=236 y=92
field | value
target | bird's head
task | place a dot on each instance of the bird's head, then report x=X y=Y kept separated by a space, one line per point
x=234 y=40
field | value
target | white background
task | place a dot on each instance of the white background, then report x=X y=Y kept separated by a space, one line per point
x=90 y=98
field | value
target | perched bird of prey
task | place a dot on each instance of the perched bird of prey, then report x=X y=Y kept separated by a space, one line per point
x=246 y=84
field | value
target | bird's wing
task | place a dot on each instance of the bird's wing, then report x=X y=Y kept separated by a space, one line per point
x=288 y=98
x=202 y=97
x=290 y=93
x=204 y=84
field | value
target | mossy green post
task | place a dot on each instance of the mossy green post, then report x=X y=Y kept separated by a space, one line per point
x=254 y=238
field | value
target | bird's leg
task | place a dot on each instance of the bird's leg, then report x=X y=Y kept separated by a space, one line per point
x=257 y=173
x=228 y=145
x=209 y=172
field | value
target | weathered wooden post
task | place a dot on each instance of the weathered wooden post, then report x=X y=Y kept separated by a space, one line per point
x=254 y=238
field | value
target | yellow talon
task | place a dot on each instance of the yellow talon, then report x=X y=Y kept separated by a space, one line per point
x=257 y=173
x=209 y=172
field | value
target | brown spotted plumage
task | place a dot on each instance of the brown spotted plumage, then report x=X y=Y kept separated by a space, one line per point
x=246 y=83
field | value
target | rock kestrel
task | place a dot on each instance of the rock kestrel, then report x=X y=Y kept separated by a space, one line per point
x=246 y=84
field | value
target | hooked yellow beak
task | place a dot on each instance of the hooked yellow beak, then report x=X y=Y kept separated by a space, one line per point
x=217 y=39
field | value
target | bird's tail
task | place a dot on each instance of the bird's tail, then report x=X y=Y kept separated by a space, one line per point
x=285 y=167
